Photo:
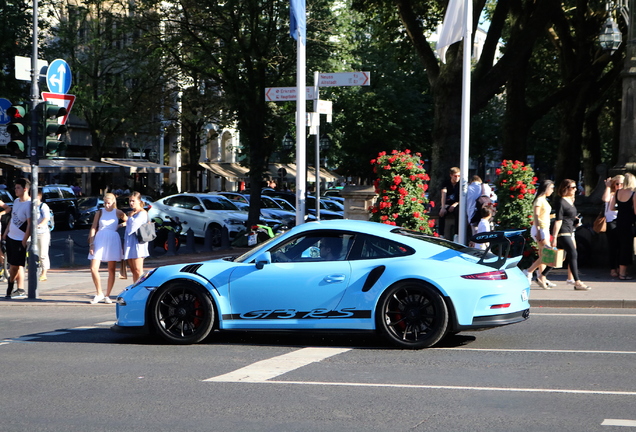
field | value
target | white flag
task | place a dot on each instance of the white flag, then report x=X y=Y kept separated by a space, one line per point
x=453 y=28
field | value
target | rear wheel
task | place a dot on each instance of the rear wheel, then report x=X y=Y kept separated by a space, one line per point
x=70 y=221
x=182 y=313
x=215 y=235
x=412 y=315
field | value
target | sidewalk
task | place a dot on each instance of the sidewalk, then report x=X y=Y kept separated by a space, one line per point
x=75 y=286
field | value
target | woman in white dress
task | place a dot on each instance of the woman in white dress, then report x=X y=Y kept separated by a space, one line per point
x=105 y=245
x=134 y=251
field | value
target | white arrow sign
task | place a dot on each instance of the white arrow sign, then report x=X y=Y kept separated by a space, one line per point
x=344 y=79
x=273 y=94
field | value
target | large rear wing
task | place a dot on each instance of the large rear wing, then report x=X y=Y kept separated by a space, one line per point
x=502 y=246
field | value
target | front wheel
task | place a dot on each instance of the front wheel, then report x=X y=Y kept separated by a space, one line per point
x=182 y=313
x=412 y=315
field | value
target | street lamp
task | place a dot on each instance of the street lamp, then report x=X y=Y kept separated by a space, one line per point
x=611 y=36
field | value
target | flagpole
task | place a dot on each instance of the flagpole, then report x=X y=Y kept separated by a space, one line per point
x=465 y=121
x=301 y=122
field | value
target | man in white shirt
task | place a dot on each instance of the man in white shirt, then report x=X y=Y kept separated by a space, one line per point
x=16 y=236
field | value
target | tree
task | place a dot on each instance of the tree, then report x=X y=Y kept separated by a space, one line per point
x=119 y=74
x=241 y=47
x=15 y=40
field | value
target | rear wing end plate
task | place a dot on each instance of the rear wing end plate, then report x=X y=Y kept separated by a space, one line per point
x=503 y=247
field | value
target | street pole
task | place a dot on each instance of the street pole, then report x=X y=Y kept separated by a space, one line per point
x=317 y=167
x=627 y=143
x=33 y=155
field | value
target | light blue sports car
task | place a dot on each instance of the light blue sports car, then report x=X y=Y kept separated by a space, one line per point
x=337 y=275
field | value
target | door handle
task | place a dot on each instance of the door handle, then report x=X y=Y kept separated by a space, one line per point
x=335 y=278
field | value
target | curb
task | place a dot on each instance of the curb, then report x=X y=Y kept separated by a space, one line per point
x=599 y=304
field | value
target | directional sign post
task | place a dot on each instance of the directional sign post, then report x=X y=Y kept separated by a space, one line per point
x=342 y=79
x=336 y=79
x=282 y=94
x=58 y=77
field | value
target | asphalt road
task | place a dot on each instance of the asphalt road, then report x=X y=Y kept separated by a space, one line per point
x=564 y=369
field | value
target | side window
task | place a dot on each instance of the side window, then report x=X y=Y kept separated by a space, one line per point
x=189 y=202
x=328 y=246
x=171 y=201
x=376 y=247
x=67 y=194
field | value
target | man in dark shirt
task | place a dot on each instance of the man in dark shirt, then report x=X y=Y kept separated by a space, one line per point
x=450 y=205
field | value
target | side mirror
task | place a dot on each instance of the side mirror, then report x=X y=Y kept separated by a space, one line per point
x=197 y=208
x=262 y=259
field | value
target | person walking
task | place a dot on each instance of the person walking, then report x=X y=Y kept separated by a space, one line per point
x=16 y=237
x=105 y=245
x=135 y=252
x=626 y=206
x=449 y=198
x=541 y=232
x=565 y=223
x=612 y=185
x=44 y=235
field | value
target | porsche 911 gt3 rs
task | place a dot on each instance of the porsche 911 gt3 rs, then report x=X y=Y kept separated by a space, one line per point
x=337 y=275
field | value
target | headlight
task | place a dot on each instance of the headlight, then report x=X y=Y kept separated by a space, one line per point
x=144 y=277
x=233 y=222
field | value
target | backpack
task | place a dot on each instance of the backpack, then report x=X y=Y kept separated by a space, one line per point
x=479 y=203
x=51 y=218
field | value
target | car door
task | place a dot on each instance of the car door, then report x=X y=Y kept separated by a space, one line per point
x=301 y=287
x=193 y=214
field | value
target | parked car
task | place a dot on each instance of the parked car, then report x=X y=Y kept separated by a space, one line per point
x=325 y=212
x=290 y=207
x=333 y=205
x=63 y=203
x=202 y=212
x=337 y=275
x=87 y=208
x=6 y=197
x=122 y=203
x=269 y=208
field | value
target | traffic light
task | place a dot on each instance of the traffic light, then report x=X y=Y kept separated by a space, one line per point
x=53 y=146
x=18 y=128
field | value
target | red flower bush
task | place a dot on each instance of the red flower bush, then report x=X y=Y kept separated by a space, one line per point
x=402 y=189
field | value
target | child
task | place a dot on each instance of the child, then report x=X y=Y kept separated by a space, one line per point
x=484 y=224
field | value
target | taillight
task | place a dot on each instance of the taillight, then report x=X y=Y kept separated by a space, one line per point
x=493 y=275
x=500 y=306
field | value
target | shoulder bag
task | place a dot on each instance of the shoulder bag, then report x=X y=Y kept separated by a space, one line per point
x=146 y=232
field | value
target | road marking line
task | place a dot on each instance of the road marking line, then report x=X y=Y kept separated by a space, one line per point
x=618 y=422
x=264 y=370
x=442 y=387
x=535 y=350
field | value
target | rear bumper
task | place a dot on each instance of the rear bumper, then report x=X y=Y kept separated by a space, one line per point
x=490 y=321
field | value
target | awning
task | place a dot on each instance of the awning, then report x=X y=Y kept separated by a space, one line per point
x=141 y=166
x=230 y=171
x=290 y=172
x=79 y=165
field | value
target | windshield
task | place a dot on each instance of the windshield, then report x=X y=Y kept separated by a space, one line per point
x=255 y=251
x=87 y=202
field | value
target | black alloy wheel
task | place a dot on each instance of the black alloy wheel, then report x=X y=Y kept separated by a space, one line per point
x=182 y=313
x=412 y=315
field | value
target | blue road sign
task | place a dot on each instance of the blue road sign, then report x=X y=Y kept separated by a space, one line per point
x=58 y=77
x=5 y=104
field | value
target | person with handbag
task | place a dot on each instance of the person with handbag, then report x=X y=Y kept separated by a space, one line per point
x=134 y=250
x=566 y=221
x=541 y=232
x=104 y=244
x=610 y=212
x=626 y=205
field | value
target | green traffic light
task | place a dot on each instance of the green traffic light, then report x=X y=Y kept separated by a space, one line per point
x=16 y=147
x=54 y=147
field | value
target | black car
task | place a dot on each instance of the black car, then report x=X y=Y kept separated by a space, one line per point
x=87 y=207
x=63 y=203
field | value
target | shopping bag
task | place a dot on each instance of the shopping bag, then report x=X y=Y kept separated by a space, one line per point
x=553 y=257
x=146 y=232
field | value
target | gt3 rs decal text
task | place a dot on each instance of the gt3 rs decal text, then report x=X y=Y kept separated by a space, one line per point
x=294 y=314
